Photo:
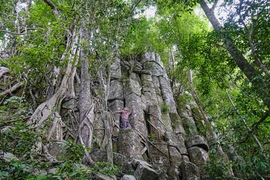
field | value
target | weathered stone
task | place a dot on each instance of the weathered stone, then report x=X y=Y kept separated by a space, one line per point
x=104 y=177
x=151 y=63
x=135 y=87
x=128 y=177
x=52 y=171
x=6 y=129
x=116 y=91
x=120 y=159
x=166 y=121
x=185 y=158
x=114 y=106
x=98 y=133
x=145 y=172
x=198 y=155
x=155 y=123
x=116 y=69
x=173 y=173
x=57 y=149
x=147 y=83
x=98 y=155
x=137 y=67
x=9 y=157
x=128 y=168
x=159 y=154
x=136 y=162
x=163 y=176
x=167 y=94
x=137 y=120
x=189 y=171
x=177 y=123
x=128 y=143
x=188 y=123
x=176 y=147
x=150 y=56
x=198 y=141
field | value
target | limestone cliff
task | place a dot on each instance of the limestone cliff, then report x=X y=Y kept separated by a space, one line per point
x=162 y=143
x=157 y=135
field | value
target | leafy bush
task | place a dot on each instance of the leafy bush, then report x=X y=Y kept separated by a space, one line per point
x=217 y=168
x=164 y=108
x=105 y=168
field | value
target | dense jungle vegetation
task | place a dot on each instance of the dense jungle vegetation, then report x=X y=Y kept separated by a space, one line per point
x=216 y=54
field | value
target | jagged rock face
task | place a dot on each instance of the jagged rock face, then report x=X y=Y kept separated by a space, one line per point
x=157 y=134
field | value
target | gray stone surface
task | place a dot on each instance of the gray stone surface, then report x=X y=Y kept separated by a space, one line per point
x=128 y=177
x=173 y=173
x=98 y=133
x=134 y=102
x=104 y=177
x=199 y=141
x=145 y=172
x=128 y=144
x=116 y=91
x=9 y=157
x=177 y=123
x=167 y=94
x=156 y=135
x=198 y=155
x=189 y=170
x=57 y=149
x=116 y=69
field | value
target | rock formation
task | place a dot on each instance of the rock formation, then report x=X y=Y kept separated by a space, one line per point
x=163 y=141
x=157 y=140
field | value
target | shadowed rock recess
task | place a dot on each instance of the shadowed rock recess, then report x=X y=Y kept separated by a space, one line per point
x=156 y=146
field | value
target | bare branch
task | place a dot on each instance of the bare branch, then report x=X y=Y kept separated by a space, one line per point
x=55 y=10
x=13 y=88
x=15 y=33
x=3 y=70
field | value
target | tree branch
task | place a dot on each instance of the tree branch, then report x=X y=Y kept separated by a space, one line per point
x=53 y=7
x=256 y=124
x=13 y=88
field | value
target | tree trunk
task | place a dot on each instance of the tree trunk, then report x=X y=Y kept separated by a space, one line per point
x=251 y=73
x=86 y=105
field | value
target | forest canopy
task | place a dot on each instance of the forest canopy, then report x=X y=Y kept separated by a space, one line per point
x=216 y=54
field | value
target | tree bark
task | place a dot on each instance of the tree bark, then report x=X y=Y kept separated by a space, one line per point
x=251 y=73
x=86 y=106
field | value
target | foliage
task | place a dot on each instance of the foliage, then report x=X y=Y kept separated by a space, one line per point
x=69 y=169
x=153 y=136
x=16 y=137
x=37 y=39
x=216 y=168
x=73 y=152
x=105 y=168
x=164 y=108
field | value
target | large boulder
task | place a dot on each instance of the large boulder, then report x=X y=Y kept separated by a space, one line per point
x=189 y=171
x=128 y=141
x=128 y=177
x=57 y=149
x=173 y=173
x=116 y=91
x=198 y=141
x=104 y=177
x=116 y=69
x=144 y=171
x=198 y=155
